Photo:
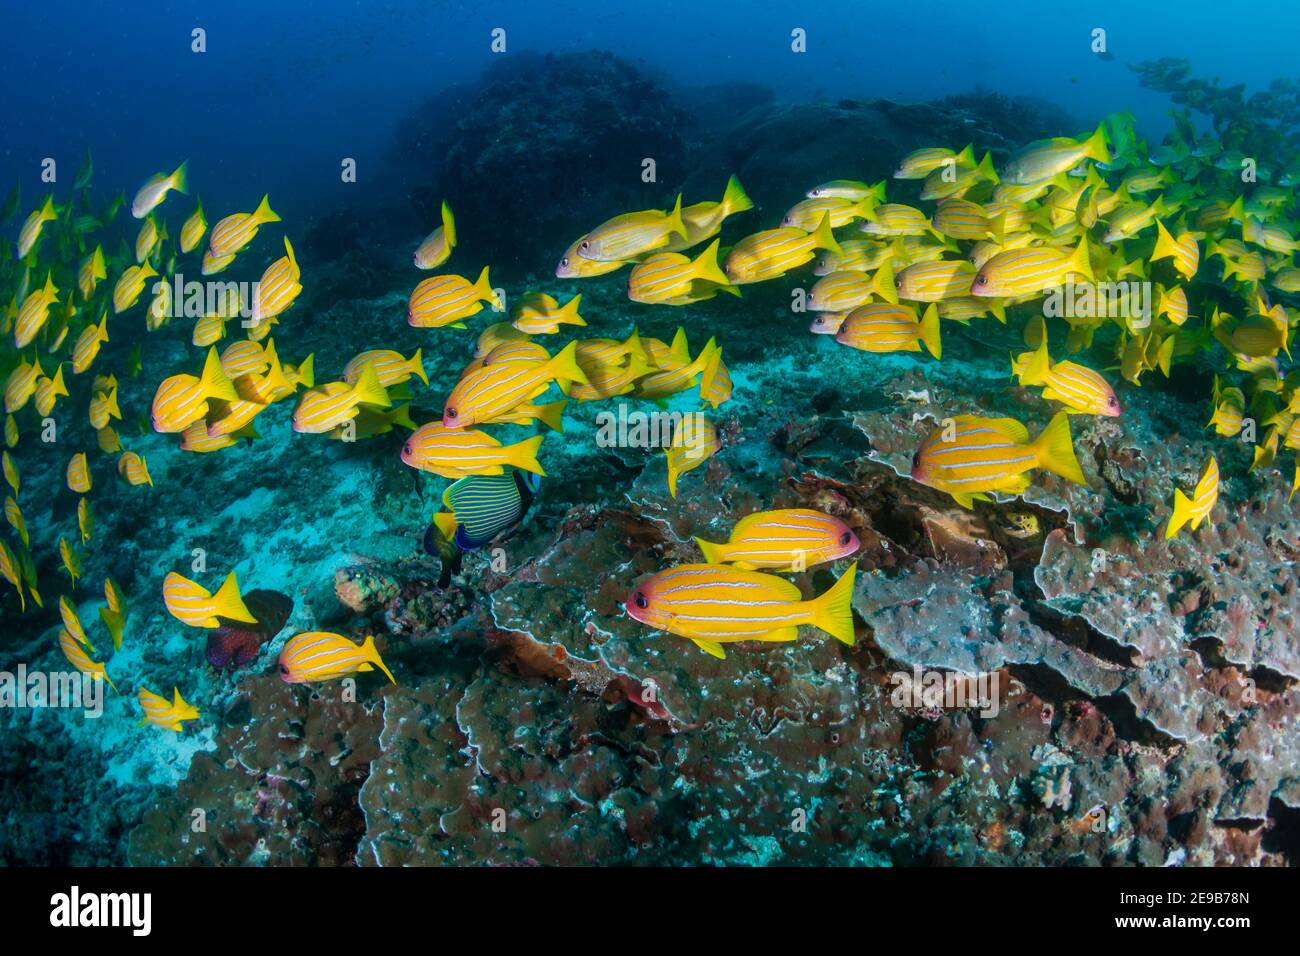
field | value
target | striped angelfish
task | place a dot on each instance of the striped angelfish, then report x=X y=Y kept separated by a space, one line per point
x=483 y=507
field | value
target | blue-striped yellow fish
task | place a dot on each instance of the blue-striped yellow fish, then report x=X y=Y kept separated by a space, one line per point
x=181 y=400
x=391 y=368
x=492 y=389
x=76 y=655
x=537 y=313
x=194 y=605
x=1183 y=250
x=447 y=300
x=35 y=312
x=327 y=406
x=791 y=539
x=164 y=713
x=194 y=228
x=134 y=469
x=78 y=473
x=320 y=656
x=1029 y=271
x=967 y=456
x=236 y=231
x=716 y=604
x=153 y=192
x=1047 y=158
x=1197 y=508
x=278 y=287
x=669 y=277
x=33 y=225
x=885 y=327
x=920 y=163
x=437 y=245
x=694 y=442
x=1078 y=387
x=774 y=252
x=457 y=452
x=86 y=348
x=126 y=292
x=633 y=234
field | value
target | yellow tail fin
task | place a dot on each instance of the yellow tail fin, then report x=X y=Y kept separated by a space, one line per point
x=264 y=213
x=214 y=383
x=1182 y=514
x=367 y=390
x=884 y=283
x=1081 y=261
x=1055 y=449
x=1097 y=146
x=930 y=330
x=448 y=225
x=705 y=265
x=416 y=365
x=833 y=611
x=371 y=653
x=734 y=198
x=564 y=366
x=1032 y=367
x=524 y=455
x=713 y=553
x=569 y=313
x=675 y=223
x=552 y=415
x=228 y=603
x=823 y=238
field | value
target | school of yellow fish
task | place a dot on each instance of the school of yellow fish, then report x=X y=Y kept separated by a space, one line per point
x=972 y=244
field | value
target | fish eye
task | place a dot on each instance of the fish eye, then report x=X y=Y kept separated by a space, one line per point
x=898 y=283
x=846 y=537
x=451 y=412
x=639 y=600
x=564 y=261
x=981 y=279
x=1112 y=401
x=585 y=245
x=406 y=449
x=916 y=460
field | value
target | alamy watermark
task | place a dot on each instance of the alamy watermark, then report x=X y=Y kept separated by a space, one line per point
x=935 y=690
x=636 y=429
x=38 y=690
x=1101 y=300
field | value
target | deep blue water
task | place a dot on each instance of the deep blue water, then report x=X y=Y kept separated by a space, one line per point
x=285 y=91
